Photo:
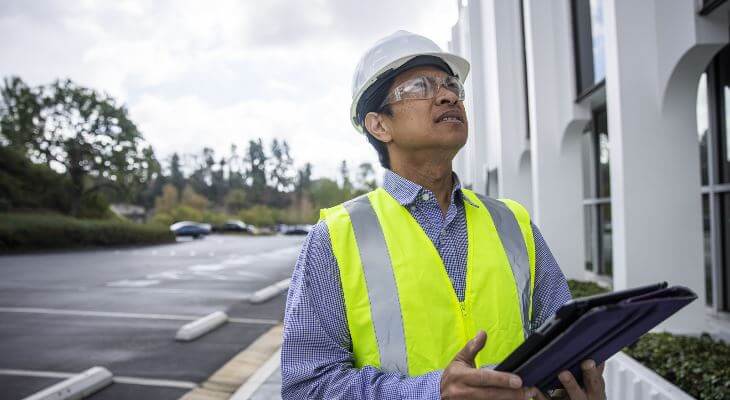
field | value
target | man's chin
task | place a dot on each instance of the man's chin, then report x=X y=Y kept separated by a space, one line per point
x=456 y=134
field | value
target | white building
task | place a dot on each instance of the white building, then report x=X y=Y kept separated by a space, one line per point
x=609 y=120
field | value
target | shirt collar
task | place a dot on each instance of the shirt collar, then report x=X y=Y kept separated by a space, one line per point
x=406 y=191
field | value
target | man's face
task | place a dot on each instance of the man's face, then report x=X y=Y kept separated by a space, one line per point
x=419 y=124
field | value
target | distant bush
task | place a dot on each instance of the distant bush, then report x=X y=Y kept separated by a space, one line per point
x=583 y=289
x=698 y=365
x=25 y=185
x=259 y=215
x=47 y=231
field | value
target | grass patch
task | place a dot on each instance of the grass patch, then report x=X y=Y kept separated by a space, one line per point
x=22 y=232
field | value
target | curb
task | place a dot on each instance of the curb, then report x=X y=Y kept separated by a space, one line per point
x=258 y=378
x=238 y=370
x=77 y=386
x=269 y=292
x=201 y=326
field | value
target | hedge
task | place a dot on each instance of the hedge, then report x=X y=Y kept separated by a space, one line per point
x=583 y=289
x=19 y=232
x=698 y=365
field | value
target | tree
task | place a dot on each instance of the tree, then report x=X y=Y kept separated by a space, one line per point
x=326 y=193
x=192 y=199
x=21 y=119
x=304 y=180
x=77 y=130
x=150 y=182
x=168 y=200
x=256 y=170
x=176 y=176
x=281 y=163
x=366 y=177
x=235 y=201
x=345 y=175
x=235 y=177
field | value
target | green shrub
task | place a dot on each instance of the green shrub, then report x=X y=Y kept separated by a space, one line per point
x=259 y=215
x=46 y=231
x=583 y=289
x=698 y=365
x=26 y=185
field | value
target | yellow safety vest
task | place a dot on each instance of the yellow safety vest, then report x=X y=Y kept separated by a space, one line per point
x=402 y=312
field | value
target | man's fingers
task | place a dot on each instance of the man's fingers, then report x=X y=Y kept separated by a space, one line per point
x=571 y=386
x=592 y=379
x=488 y=377
x=471 y=348
x=539 y=395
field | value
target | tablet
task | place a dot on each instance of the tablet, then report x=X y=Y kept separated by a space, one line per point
x=566 y=315
x=596 y=327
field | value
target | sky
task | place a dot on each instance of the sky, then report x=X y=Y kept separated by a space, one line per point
x=201 y=73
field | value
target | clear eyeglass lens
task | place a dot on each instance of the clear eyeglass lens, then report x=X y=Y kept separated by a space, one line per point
x=417 y=88
x=425 y=87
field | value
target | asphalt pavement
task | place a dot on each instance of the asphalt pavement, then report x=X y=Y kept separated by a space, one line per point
x=62 y=313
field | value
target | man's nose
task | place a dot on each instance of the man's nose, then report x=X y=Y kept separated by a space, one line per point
x=445 y=96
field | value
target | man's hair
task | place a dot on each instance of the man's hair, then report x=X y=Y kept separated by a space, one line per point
x=376 y=94
x=380 y=147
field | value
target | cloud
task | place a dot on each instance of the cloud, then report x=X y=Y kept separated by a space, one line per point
x=197 y=74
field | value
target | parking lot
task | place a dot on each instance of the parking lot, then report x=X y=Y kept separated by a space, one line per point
x=62 y=313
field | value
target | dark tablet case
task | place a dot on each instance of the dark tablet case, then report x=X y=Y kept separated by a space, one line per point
x=600 y=333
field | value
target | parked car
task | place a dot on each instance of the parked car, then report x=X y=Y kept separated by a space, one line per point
x=190 y=228
x=302 y=229
x=236 y=225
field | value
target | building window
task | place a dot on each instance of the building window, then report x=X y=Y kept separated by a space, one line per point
x=713 y=120
x=597 y=196
x=493 y=182
x=588 y=38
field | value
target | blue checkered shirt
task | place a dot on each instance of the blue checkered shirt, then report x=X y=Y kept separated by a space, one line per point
x=316 y=353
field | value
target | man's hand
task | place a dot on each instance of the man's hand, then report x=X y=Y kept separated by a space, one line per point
x=592 y=378
x=462 y=380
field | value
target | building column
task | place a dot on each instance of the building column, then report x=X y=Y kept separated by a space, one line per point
x=506 y=108
x=655 y=54
x=556 y=125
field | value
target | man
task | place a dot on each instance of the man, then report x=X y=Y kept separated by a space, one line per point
x=395 y=292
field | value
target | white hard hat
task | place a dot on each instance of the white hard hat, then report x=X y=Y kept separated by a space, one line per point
x=389 y=54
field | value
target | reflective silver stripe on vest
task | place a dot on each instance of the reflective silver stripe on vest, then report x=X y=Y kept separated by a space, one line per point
x=514 y=245
x=384 y=302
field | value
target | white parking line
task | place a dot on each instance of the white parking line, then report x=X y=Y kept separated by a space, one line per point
x=131 y=380
x=36 y=374
x=87 y=313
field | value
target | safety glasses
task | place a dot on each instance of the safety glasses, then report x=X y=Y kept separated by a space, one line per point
x=424 y=87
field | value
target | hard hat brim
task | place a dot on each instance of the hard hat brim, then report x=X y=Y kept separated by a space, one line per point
x=459 y=65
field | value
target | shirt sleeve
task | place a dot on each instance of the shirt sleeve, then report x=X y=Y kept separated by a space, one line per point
x=316 y=355
x=551 y=287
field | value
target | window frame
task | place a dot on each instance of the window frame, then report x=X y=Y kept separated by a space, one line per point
x=592 y=203
x=715 y=190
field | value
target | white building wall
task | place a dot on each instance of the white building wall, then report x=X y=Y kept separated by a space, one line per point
x=557 y=123
x=655 y=54
x=506 y=113
x=464 y=163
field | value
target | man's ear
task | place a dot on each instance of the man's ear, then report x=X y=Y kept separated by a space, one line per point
x=376 y=125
